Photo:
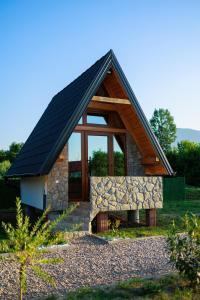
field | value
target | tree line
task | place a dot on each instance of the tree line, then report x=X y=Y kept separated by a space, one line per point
x=185 y=157
x=7 y=157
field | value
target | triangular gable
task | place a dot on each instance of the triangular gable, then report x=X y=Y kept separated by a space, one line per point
x=62 y=115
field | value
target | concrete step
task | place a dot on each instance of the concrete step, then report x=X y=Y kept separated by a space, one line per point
x=80 y=216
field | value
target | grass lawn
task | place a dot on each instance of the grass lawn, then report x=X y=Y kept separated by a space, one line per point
x=172 y=210
x=170 y=287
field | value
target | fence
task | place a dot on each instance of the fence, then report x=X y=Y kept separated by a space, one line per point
x=174 y=188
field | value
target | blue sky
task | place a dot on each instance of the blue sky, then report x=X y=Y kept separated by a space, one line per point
x=46 y=44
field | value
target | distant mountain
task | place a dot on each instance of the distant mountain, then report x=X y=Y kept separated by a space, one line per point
x=187 y=134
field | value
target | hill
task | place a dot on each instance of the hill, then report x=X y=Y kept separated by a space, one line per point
x=187 y=134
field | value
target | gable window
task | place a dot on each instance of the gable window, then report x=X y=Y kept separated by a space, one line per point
x=96 y=119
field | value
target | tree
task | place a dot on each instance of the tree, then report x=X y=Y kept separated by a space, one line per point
x=24 y=241
x=4 y=166
x=164 y=128
x=98 y=163
x=14 y=149
x=185 y=161
x=2 y=155
x=10 y=154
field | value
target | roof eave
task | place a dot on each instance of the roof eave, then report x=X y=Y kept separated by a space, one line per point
x=67 y=131
x=141 y=115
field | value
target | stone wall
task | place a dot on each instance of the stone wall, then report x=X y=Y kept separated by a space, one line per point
x=134 y=166
x=57 y=183
x=125 y=193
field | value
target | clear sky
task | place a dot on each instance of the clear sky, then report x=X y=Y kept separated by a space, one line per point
x=45 y=44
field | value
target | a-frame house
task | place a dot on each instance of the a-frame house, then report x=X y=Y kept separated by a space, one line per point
x=93 y=144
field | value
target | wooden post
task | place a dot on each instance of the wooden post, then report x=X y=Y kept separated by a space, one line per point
x=151 y=217
x=133 y=217
x=102 y=221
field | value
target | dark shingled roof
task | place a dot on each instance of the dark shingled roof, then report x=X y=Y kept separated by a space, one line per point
x=62 y=115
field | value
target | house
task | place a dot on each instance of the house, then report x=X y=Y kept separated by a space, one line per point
x=93 y=144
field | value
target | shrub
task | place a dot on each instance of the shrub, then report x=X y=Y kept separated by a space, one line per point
x=24 y=242
x=4 y=166
x=184 y=249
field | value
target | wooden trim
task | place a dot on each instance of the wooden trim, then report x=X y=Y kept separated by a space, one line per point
x=151 y=160
x=84 y=118
x=110 y=155
x=102 y=106
x=125 y=156
x=60 y=158
x=111 y=100
x=99 y=128
x=83 y=166
x=86 y=195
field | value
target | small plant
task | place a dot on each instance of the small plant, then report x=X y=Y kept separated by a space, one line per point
x=184 y=249
x=183 y=294
x=24 y=241
x=114 y=225
x=151 y=288
x=56 y=238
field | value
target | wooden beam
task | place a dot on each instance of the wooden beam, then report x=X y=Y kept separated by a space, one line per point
x=102 y=221
x=151 y=217
x=102 y=106
x=110 y=100
x=150 y=160
x=99 y=128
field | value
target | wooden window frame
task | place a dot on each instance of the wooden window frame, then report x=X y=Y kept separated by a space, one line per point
x=88 y=129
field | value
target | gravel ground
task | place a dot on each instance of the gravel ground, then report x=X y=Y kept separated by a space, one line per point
x=88 y=262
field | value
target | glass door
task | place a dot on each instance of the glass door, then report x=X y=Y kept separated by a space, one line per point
x=93 y=154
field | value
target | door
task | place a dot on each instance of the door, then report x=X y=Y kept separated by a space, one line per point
x=93 y=154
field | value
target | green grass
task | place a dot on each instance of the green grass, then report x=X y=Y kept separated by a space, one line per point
x=133 y=232
x=170 y=287
x=192 y=192
x=172 y=210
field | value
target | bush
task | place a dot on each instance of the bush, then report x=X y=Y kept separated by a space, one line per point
x=24 y=242
x=4 y=166
x=184 y=249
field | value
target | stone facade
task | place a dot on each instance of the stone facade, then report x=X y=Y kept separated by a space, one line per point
x=57 y=183
x=134 y=166
x=125 y=193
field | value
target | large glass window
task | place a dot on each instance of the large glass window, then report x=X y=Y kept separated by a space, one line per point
x=119 y=158
x=98 y=155
x=75 y=166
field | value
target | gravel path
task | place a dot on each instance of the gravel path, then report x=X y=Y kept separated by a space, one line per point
x=89 y=261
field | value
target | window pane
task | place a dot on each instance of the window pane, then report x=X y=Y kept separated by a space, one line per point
x=98 y=155
x=74 y=146
x=75 y=167
x=119 y=158
x=99 y=120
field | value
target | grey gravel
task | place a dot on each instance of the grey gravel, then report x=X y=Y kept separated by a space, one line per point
x=89 y=261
